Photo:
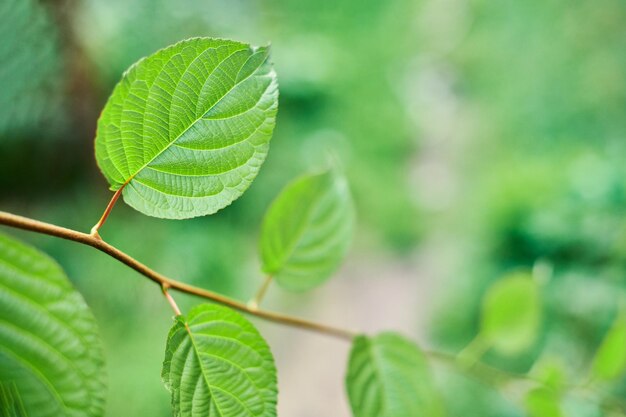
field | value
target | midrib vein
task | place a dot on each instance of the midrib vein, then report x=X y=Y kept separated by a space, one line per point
x=168 y=146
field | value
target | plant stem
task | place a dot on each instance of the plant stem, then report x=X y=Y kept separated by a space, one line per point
x=478 y=369
x=256 y=301
x=473 y=352
x=107 y=211
x=170 y=300
x=96 y=242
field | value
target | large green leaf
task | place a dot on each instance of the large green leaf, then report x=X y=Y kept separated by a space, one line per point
x=511 y=314
x=388 y=377
x=49 y=344
x=217 y=364
x=610 y=360
x=307 y=230
x=187 y=129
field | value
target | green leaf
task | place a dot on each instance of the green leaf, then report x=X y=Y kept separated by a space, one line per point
x=217 y=364
x=307 y=231
x=186 y=129
x=49 y=344
x=388 y=377
x=610 y=360
x=511 y=314
x=543 y=402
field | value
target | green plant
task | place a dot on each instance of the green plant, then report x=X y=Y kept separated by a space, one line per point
x=184 y=134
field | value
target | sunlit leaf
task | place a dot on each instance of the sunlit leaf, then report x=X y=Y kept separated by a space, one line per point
x=543 y=402
x=610 y=360
x=388 y=377
x=511 y=314
x=50 y=350
x=217 y=364
x=307 y=231
x=186 y=130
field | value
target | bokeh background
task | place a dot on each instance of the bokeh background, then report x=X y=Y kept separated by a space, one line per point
x=479 y=136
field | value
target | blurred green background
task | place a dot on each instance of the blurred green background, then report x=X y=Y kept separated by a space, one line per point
x=480 y=137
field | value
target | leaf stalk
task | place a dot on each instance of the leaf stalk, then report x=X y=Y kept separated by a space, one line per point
x=105 y=215
x=258 y=298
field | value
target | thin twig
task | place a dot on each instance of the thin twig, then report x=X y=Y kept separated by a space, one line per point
x=478 y=369
x=107 y=211
x=258 y=298
x=32 y=225
x=171 y=301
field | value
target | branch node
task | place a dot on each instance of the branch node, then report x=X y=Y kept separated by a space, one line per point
x=94 y=233
x=170 y=299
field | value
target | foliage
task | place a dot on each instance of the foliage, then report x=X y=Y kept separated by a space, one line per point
x=217 y=363
x=50 y=350
x=307 y=230
x=335 y=97
x=208 y=107
x=610 y=360
x=511 y=314
x=545 y=192
x=200 y=104
x=388 y=376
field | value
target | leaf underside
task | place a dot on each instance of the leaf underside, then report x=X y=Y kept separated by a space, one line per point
x=186 y=129
x=307 y=231
x=388 y=377
x=218 y=365
x=50 y=351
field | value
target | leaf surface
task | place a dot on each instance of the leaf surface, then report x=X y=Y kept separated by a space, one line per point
x=186 y=129
x=50 y=351
x=307 y=231
x=11 y=404
x=511 y=314
x=218 y=365
x=388 y=377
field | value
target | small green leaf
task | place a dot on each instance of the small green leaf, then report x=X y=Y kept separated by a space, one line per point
x=388 y=376
x=186 y=129
x=217 y=364
x=49 y=344
x=511 y=314
x=307 y=231
x=610 y=360
x=543 y=402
